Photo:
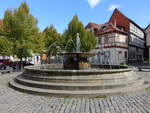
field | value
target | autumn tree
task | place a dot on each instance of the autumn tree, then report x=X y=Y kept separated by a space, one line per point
x=20 y=27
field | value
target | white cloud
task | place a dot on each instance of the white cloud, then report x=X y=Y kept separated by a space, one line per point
x=93 y=3
x=113 y=7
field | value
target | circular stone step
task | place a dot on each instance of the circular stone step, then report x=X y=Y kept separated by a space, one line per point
x=76 y=86
x=93 y=82
x=77 y=93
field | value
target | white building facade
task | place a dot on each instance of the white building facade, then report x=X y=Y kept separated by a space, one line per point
x=112 y=48
x=112 y=45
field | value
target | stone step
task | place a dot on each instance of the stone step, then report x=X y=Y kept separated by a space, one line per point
x=77 y=86
x=77 y=93
x=79 y=79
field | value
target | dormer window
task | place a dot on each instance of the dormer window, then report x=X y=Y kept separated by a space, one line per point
x=121 y=28
x=103 y=27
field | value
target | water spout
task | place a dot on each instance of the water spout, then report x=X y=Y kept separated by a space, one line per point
x=78 y=43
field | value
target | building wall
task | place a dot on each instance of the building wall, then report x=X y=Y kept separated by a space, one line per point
x=112 y=39
x=135 y=30
x=148 y=40
x=110 y=56
x=136 y=41
x=136 y=34
x=35 y=59
x=135 y=54
x=136 y=44
x=112 y=48
x=148 y=36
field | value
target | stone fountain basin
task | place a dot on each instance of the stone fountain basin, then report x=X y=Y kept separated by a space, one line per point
x=53 y=80
x=58 y=69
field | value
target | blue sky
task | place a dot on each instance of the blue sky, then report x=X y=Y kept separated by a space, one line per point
x=60 y=12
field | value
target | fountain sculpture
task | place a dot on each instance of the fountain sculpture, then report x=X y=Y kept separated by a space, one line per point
x=77 y=77
x=77 y=60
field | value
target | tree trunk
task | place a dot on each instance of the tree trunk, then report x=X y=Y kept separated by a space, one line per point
x=21 y=66
x=49 y=59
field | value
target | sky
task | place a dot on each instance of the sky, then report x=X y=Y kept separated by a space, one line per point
x=60 y=12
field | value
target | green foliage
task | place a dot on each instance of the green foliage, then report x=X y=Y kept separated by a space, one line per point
x=52 y=41
x=38 y=43
x=5 y=46
x=20 y=27
x=88 y=40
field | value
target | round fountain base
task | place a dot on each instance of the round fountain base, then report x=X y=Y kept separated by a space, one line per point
x=78 y=83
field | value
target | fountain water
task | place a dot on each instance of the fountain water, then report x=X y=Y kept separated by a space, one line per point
x=70 y=41
x=78 y=43
x=55 y=45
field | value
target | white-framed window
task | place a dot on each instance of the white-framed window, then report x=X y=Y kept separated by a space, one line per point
x=134 y=29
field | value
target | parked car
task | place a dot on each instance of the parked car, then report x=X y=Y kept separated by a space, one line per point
x=2 y=66
x=7 y=62
x=18 y=64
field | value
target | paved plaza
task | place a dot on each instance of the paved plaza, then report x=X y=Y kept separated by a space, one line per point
x=12 y=101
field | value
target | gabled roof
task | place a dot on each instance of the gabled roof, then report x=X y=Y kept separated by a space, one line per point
x=106 y=28
x=93 y=25
x=119 y=16
x=119 y=19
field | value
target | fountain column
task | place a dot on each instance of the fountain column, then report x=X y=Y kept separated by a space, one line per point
x=78 y=43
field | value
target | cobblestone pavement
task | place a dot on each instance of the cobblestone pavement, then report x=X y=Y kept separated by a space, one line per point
x=12 y=101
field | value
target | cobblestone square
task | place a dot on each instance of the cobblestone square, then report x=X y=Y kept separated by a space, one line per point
x=12 y=101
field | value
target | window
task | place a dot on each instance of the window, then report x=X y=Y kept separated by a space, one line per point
x=102 y=40
x=125 y=55
x=134 y=29
x=99 y=40
x=99 y=56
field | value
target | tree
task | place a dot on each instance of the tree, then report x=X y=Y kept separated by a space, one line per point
x=20 y=27
x=5 y=44
x=52 y=41
x=88 y=40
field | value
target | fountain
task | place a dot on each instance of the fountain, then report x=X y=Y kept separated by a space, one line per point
x=77 y=77
x=77 y=60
